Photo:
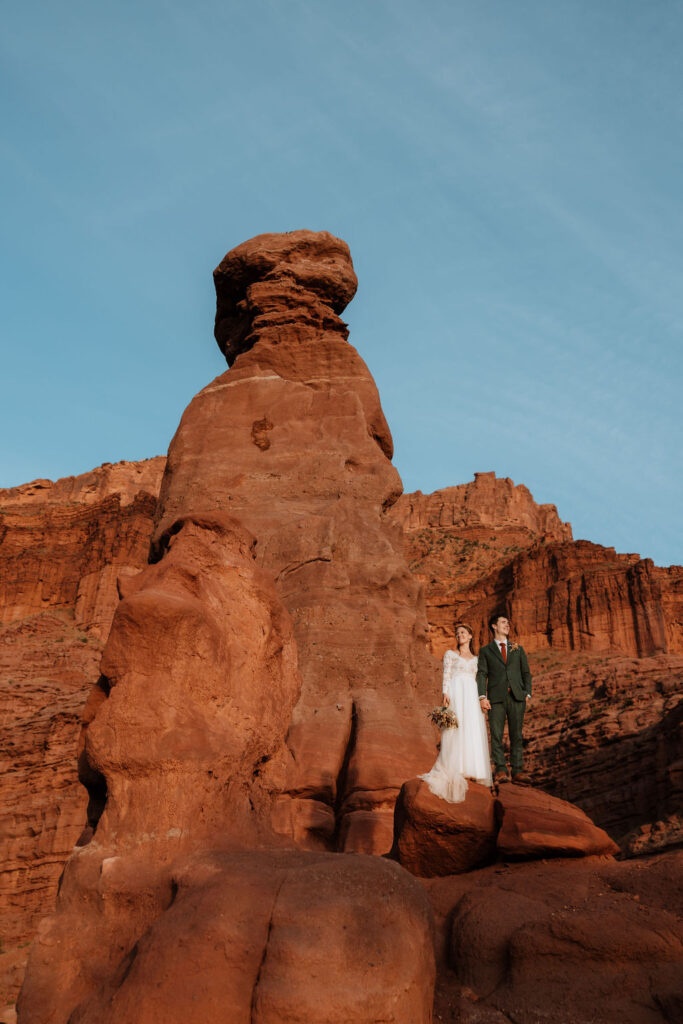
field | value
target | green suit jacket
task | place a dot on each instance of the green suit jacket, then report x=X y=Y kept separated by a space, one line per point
x=495 y=677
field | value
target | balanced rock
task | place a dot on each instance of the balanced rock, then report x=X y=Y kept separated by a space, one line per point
x=187 y=750
x=292 y=441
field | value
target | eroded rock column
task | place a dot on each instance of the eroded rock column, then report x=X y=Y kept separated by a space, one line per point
x=293 y=442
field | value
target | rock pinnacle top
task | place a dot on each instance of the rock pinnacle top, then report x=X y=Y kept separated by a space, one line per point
x=302 y=277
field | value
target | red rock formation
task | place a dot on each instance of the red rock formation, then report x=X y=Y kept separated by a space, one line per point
x=62 y=546
x=605 y=734
x=487 y=545
x=199 y=681
x=293 y=442
x=589 y=939
x=272 y=937
x=433 y=837
x=534 y=825
x=458 y=536
x=184 y=748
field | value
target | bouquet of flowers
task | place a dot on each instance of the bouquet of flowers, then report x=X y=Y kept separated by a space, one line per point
x=443 y=717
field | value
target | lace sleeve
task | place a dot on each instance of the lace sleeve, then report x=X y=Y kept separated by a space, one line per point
x=447 y=673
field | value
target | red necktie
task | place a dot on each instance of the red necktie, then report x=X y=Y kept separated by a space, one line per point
x=504 y=651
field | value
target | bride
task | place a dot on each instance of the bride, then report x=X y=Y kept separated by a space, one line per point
x=464 y=752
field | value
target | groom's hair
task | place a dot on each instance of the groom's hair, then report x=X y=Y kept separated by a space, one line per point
x=494 y=618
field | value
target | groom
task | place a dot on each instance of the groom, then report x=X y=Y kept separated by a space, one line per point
x=504 y=685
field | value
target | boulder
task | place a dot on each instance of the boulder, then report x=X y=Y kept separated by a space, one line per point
x=534 y=825
x=270 y=938
x=433 y=837
x=563 y=940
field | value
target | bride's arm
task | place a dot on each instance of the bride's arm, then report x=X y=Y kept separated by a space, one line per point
x=446 y=682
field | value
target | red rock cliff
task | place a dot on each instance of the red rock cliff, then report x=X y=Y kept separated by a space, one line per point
x=62 y=546
x=487 y=545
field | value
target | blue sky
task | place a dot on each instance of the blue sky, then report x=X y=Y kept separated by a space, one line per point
x=509 y=179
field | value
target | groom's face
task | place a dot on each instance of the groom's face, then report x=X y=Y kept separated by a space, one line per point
x=501 y=627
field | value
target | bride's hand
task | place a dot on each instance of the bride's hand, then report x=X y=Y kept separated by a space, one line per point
x=446 y=699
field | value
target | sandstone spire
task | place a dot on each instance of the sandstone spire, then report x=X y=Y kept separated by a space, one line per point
x=292 y=441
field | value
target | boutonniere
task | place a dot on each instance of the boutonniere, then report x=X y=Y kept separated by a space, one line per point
x=514 y=647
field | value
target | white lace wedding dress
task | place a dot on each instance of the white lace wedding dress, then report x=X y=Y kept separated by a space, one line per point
x=464 y=750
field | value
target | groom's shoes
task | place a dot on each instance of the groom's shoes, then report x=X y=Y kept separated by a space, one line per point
x=500 y=777
x=522 y=779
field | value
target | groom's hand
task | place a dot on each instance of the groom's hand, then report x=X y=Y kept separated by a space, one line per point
x=485 y=703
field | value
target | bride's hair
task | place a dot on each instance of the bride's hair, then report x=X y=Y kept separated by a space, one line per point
x=463 y=625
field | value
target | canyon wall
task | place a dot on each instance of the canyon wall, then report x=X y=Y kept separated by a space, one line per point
x=487 y=545
x=63 y=544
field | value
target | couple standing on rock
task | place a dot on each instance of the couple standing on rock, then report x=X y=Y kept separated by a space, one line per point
x=498 y=681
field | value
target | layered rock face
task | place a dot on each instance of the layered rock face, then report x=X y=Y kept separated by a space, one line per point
x=605 y=733
x=487 y=545
x=62 y=546
x=293 y=442
x=459 y=536
x=578 y=596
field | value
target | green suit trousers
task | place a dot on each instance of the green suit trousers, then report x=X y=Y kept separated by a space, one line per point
x=512 y=710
